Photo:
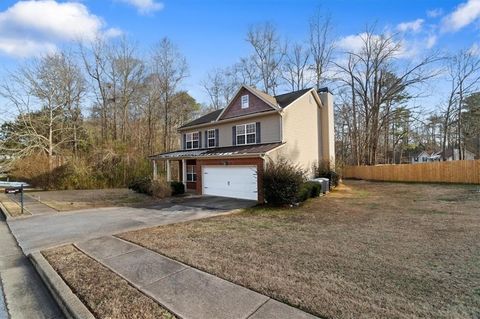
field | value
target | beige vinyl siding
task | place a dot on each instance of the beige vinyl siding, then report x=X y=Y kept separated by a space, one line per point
x=327 y=132
x=301 y=125
x=270 y=129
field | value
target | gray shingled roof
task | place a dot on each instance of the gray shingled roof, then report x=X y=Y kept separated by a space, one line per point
x=282 y=100
x=286 y=99
x=207 y=118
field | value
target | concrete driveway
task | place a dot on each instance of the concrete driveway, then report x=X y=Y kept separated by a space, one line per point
x=43 y=231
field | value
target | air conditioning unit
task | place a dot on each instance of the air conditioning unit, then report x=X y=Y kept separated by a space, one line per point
x=325 y=182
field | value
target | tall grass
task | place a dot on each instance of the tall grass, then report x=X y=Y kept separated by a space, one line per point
x=81 y=173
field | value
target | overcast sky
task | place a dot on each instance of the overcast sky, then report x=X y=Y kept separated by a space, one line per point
x=212 y=33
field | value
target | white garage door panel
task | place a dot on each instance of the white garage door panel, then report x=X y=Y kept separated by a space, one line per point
x=230 y=181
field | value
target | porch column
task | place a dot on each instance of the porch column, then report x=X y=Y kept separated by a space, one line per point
x=155 y=172
x=169 y=178
x=184 y=173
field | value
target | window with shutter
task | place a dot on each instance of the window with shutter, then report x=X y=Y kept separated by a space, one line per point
x=211 y=138
x=192 y=140
x=246 y=134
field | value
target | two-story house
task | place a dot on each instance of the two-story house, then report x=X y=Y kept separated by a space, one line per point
x=224 y=153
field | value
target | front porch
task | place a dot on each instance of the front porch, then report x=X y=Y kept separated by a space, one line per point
x=179 y=170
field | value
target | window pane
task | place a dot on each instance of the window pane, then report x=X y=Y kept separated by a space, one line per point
x=211 y=134
x=195 y=136
x=241 y=139
x=195 y=144
x=188 y=137
x=240 y=129
x=211 y=142
x=189 y=144
x=251 y=138
x=251 y=128
x=244 y=101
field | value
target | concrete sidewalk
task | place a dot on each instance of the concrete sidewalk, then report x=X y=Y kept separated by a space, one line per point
x=32 y=205
x=25 y=294
x=184 y=290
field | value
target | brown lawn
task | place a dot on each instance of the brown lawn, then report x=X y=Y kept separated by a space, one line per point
x=106 y=294
x=13 y=209
x=67 y=200
x=368 y=250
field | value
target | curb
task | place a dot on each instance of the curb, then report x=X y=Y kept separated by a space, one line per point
x=68 y=302
x=4 y=212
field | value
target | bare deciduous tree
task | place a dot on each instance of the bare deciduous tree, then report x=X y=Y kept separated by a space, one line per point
x=220 y=86
x=378 y=82
x=247 y=72
x=295 y=67
x=95 y=59
x=213 y=85
x=268 y=54
x=464 y=74
x=43 y=92
x=321 y=46
x=169 y=67
x=128 y=73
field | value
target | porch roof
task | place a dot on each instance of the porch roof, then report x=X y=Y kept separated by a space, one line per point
x=228 y=151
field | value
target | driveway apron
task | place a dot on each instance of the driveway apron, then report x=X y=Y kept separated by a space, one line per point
x=42 y=231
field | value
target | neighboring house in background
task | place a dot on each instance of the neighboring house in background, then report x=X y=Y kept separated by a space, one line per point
x=451 y=154
x=426 y=157
x=224 y=153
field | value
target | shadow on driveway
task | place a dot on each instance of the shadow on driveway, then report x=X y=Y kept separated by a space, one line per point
x=207 y=202
x=43 y=231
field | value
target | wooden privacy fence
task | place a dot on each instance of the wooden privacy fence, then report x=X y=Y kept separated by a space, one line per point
x=467 y=172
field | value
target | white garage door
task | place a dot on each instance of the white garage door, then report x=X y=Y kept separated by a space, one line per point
x=230 y=181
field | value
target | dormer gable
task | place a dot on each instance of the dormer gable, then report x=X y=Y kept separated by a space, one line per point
x=248 y=101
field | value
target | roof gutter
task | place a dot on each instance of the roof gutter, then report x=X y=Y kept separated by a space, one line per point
x=233 y=119
x=209 y=156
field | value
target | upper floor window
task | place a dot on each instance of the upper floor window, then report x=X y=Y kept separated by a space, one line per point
x=246 y=134
x=192 y=140
x=245 y=101
x=211 y=138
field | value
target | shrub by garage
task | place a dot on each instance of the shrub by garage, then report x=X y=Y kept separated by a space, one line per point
x=155 y=188
x=282 y=181
x=178 y=188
